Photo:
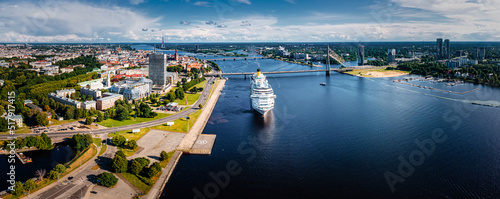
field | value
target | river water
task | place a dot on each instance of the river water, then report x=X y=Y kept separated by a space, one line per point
x=41 y=160
x=353 y=138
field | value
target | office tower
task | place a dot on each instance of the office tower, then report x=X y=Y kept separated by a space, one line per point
x=361 y=55
x=447 y=49
x=439 y=48
x=391 y=55
x=459 y=53
x=197 y=47
x=158 y=68
x=482 y=53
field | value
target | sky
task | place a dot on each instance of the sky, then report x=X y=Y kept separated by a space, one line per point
x=197 y=21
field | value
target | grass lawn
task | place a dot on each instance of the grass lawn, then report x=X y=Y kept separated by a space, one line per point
x=115 y=123
x=129 y=135
x=191 y=99
x=180 y=125
x=136 y=182
x=97 y=141
x=129 y=152
x=103 y=149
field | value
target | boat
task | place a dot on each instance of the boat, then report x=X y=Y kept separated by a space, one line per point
x=322 y=84
x=262 y=93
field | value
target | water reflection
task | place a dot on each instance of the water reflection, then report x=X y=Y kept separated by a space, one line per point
x=265 y=126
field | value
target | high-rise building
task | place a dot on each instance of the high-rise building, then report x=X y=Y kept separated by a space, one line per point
x=475 y=53
x=459 y=53
x=482 y=53
x=158 y=68
x=391 y=55
x=162 y=41
x=361 y=55
x=197 y=47
x=439 y=48
x=447 y=49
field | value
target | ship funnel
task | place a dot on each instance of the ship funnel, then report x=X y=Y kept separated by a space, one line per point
x=258 y=72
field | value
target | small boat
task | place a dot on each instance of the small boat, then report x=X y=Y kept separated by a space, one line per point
x=322 y=84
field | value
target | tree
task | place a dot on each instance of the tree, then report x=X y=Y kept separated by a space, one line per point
x=118 y=140
x=144 y=161
x=99 y=117
x=53 y=175
x=80 y=142
x=107 y=179
x=29 y=185
x=135 y=167
x=88 y=120
x=18 y=188
x=60 y=168
x=41 y=118
x=153 y=170
x=119 y=164
x=200 y=106
x=122 y=113
x=163 y=155
x=130 y=144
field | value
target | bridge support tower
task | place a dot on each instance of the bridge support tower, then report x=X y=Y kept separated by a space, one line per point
x=328 y=60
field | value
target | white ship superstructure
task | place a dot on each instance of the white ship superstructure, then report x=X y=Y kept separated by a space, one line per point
x=262 y=93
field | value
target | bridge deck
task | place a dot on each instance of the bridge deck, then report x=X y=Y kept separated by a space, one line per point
x=282 y=72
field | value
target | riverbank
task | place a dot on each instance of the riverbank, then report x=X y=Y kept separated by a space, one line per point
x=189 y=139
x=378 y=72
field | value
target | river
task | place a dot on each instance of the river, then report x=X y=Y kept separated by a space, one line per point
x=41 y=160
x=353 y=138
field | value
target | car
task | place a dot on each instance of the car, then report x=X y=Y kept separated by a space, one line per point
x=93 y=192
x=70 y=178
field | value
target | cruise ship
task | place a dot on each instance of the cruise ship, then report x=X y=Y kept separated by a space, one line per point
x=262 y=93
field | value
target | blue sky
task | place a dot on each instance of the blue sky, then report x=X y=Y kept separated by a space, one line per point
x=248 y=20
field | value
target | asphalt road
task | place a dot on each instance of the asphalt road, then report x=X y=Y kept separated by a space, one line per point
x=194 y=108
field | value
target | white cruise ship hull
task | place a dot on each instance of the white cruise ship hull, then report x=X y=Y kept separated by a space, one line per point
x=262 y=94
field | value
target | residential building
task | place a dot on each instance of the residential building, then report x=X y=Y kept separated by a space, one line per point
x=482 y=53
x=133 y=89
x=96 y=94
x=447 y=50
x=439 y=48
x=33 y=106
x=172 y=77
x=64 y=100
x=361 y=55
x=65 y=92
x=89 y=104
x=391 y=55
x=475 y=53
x=66 y=70
x=107 y=101
x=18 y=119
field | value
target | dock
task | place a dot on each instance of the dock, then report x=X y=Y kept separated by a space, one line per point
x=20 y=158
x=203 y=144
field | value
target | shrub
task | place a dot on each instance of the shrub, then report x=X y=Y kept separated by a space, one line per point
x=107 y=179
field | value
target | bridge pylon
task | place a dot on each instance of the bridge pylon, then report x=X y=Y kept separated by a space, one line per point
x=328 y=60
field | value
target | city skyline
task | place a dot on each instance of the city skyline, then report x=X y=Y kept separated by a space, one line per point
x=247 y=21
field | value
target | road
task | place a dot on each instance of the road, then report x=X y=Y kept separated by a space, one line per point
x=194 y=108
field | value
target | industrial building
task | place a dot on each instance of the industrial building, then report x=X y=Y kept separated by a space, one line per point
x=107 y=101
x=133 y=89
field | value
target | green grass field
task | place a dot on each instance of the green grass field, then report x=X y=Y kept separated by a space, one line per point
x=136 y=182
x=115 y=123
x=180 y=125
x=97 y=141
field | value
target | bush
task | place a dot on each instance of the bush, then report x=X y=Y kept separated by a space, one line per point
x=135 y=167
x=146 y=181
x=18 y=188
x=153 y=170
x=163 y=156
x=88 y=120
x=30 y=185
x=107 y=179
x=130 y=145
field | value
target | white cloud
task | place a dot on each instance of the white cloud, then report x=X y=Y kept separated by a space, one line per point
x=243 y=1
x=202 y=3
x=66 y=21
x=290 y=1
x=136 y=2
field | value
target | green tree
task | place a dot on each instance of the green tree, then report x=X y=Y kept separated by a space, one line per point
x=30 y=185
x=60 y=168
x=135 y=167
x=107 y=179
x=53 y=175
x=18 y=189
x=122 y=113
x=132 y=144
x=163 y=155
x=118 y=140
x=153 y=170
x=88 y=120
x=99 y=117
x=119 y=164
